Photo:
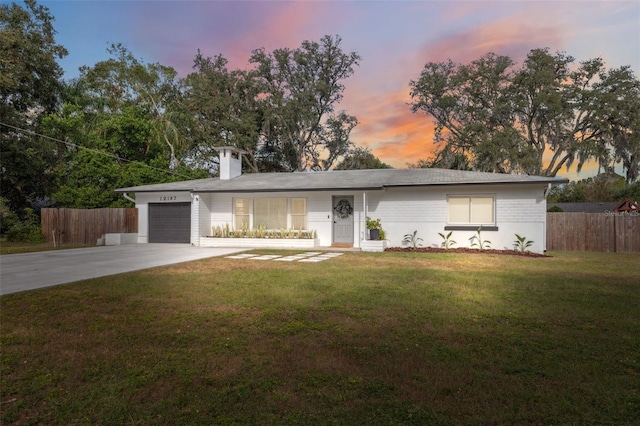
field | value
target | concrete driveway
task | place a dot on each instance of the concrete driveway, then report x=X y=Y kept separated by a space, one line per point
x=29 y=271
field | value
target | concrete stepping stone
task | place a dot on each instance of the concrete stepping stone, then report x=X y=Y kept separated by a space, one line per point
x=333 y=254
x=241 y=256
x=314 y=259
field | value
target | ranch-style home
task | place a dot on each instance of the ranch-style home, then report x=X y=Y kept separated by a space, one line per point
x=320 y=209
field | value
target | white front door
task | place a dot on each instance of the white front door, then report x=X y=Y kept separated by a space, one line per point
x=343 y=219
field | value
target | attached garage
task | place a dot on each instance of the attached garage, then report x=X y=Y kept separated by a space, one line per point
x=169 y=222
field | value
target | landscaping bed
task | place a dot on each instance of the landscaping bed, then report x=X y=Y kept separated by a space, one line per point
x=466 y=250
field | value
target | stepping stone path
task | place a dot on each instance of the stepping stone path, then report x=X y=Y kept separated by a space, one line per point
x=310 y=256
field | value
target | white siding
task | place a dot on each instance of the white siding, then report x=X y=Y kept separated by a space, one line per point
x=202 y=228
x=319 y=211
x=519 y=209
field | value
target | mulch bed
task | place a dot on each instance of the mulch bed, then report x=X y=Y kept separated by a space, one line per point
x=466 y=250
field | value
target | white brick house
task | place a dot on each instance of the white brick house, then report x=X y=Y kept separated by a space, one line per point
x=429 y=201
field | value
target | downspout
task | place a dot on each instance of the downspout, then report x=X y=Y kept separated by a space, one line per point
x=124 y=194
x=544 y=228
x=363 y=221
x=195 y=199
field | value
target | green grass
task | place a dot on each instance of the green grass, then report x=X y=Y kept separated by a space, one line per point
x=381 y=338
x=7 y=247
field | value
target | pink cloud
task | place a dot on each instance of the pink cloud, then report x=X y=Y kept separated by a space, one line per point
x=506 y=37
x=387 y=124
x=234 y=30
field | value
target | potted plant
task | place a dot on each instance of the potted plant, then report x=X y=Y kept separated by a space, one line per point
x=375 y=228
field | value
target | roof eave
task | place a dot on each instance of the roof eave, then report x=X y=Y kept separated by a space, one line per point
x=539 y=182
x=228 y=191
x=333 y=188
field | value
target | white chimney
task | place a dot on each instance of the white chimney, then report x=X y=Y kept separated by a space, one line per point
x=230 y=161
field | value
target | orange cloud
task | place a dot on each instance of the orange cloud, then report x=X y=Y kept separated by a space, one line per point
x=390 y=129
x=387 y=125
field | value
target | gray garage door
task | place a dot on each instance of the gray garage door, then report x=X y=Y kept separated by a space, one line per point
x=169 y=222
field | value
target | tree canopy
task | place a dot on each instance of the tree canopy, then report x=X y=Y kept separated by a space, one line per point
x=537 y=118
x=122 y=124
x=126 y=122
x=281 y=111
x=29 y=89
x=361 y=158
x=604 y=187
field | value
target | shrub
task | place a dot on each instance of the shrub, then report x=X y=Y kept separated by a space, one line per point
x=25 y=234
x=28 y=230
x=8 y=219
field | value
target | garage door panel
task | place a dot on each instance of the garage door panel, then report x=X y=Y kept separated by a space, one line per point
x=170 y=222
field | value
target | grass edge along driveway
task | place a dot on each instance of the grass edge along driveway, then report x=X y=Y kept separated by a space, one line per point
x=380 y=338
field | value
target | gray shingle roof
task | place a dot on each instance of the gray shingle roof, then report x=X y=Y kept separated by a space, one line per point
x=343 y=180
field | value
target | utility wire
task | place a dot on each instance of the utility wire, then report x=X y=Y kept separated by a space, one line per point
x=114 y=156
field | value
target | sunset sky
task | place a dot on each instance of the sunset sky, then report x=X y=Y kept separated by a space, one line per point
x=394 y=38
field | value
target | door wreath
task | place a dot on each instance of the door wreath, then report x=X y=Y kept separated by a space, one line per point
x=343 y=209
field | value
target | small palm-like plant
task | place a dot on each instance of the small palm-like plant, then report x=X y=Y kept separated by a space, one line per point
x=477 y=241
x=447 y=242
x=412 y=240
x=521 y=244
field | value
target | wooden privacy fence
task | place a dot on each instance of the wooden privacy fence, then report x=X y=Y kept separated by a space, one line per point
x=85 y=226
x=613 y=232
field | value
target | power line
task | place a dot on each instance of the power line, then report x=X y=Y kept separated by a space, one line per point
x=110 y=155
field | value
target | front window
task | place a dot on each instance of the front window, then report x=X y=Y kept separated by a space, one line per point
x=242 y=213
x=298 y=213
x=471 y=210
x=270 y=213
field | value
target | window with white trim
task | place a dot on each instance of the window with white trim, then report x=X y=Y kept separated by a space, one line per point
x=271 y=213
x=298 y=213
x=242 y=213
x=471 y=210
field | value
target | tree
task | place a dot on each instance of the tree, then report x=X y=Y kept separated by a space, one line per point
x=299 y=90
x=225 y=109
x=555 y=109
x=120 y=125
x=618 y=116
x=604 y=187
x=473 y=111
x=361 y=158
x=29 y=88
x=507 y=119
x=122 y=81
x=444 y=158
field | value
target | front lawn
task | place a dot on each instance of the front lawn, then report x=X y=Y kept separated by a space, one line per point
x=7 y=247
x=377 y=338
